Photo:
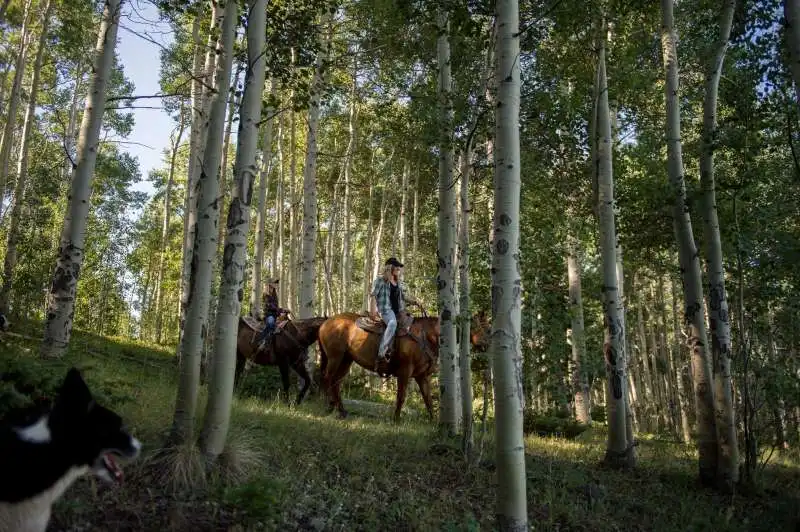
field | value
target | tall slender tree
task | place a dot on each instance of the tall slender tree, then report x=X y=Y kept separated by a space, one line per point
x=220 y=393
x=688 y=257
x=619 y=452
x=309 y=243
x=728 y=461
x=446 y=280
x=15 y=209
x=61 y=299
x=261 y=206
x=506 y=347
x=205 y=231
x=791 y=14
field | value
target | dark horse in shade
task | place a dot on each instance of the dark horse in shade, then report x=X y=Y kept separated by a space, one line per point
x=288 y=349
x=415 y=354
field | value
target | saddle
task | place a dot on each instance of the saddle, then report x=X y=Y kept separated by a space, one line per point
x=378 y=327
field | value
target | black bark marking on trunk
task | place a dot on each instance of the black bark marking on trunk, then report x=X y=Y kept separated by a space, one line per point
x=235 y=214
x=502 y=246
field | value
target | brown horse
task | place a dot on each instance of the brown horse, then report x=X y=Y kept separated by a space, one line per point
x=289 y=345
x=416 y=354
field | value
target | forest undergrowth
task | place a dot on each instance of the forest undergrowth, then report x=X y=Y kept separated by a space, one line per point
x=298 y=468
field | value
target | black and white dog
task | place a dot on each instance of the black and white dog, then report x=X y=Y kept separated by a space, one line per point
x=40 y=459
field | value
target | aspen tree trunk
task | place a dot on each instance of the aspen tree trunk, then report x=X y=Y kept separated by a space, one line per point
x=3 y=8
x=233 y=106
x=619 y=452
x=14 y=99
x=333 y=221
x=446 y=250
x=292 y=265
x=415 y=226
x=401 y=234
x=728 y=459
x=201 y=91
x=579 y=385
x=689 y=260
x=261 y=209
x=347 y=259
x=15 y=208
x=464 y=346
x=176 y=142
x=309 y=248
x=61 y=299
x=678 y=358
x=368 y=249
x=234 y=262
x=278 y=268
x=205 y=233
x=506 y=348
x=791 y=12
x=376 y=250
x=622 y=306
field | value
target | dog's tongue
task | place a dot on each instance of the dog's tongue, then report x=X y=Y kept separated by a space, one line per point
x=111 y=464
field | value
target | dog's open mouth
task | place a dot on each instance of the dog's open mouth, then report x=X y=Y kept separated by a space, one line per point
x=112 y=466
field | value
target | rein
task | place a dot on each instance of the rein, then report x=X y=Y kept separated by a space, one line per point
x=423 y=344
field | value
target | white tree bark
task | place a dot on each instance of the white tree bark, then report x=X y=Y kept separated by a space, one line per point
x=15 y=208
x=347 y=267
x=279 y=249
x=728 y=460
x=202 y=88
x=61 y=299
x=309 y=248
x=506 y=347
x=446 y=281
x=261 y=210
x=234 y=261
x=14 y=99
x=580 y=386
x=688 y=257
x=205 y=234
x=619 y=452
x=162 y=251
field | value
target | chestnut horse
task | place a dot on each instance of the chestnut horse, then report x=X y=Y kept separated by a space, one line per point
x=289 y=345
x=415 y=355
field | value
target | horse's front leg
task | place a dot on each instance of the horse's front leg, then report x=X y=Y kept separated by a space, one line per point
x=402 y=387
x=424 y=383
x=283 y=365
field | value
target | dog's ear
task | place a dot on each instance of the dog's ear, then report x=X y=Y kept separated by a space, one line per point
x=75 y=396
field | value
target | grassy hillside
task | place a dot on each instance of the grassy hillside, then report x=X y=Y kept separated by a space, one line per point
x=306 y=470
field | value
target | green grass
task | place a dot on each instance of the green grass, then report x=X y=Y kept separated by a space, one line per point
x=316 y=472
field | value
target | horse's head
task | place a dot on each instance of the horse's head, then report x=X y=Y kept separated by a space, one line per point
x=479 y=331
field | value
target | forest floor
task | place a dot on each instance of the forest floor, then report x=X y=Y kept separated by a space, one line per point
x=311 y=471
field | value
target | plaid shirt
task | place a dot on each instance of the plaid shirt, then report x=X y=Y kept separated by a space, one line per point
x=382 y=291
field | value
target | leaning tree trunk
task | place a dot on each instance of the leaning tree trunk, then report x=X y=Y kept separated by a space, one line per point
x=61 y=299
x=309 y=248
x=689 y=260
x=220 y=390
x=791 y=13
x=205 y=235
x=619 y=452
x=162 y=249
x=234 y=104
x=14 y=99
x=465 y=373
x=506 y=348
x=15 y=208
x=446 y=250
x=202 y=83
x=278 y=235
x=728 y=459
x=261 y=209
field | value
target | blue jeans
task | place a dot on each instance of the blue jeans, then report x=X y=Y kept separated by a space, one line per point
x=269 y=326
x=391 y=326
